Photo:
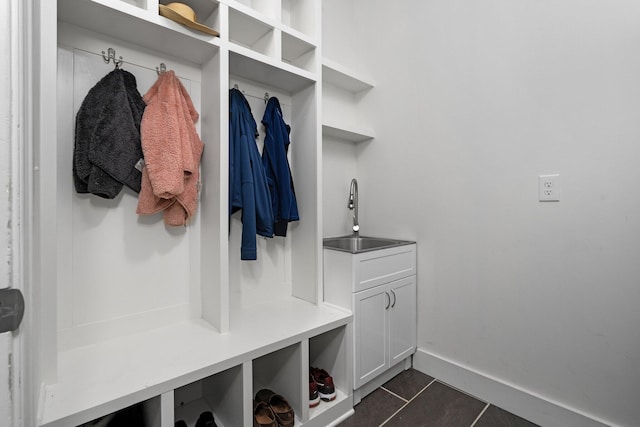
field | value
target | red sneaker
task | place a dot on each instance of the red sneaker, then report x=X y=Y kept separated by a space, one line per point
x=324 y=382
x=314 y=396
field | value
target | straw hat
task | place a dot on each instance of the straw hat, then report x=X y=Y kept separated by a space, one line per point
x=184 y=15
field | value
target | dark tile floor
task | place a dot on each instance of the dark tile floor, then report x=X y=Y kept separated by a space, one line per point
x=415 y=399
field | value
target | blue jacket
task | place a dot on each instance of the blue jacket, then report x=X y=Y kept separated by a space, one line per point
x=248 y=189
x=276 y=166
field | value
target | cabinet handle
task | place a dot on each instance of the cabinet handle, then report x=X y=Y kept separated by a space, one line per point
x=394 y=299
x=388 y=300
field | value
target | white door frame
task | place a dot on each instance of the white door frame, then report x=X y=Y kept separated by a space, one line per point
x=15 y=144
x=6 y=145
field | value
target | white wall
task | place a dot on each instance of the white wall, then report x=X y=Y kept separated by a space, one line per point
x=338 y=157
x=339 y=33
x=339 y=167
x=473 y=101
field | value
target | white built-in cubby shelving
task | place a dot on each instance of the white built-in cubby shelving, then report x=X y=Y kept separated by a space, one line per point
x=130 y=311
x=343 y=90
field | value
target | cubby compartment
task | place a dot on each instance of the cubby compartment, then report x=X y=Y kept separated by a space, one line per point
x=100 y=300
x=141 y=414
x=287 y=79
x=298 y=52
x=342 y=92
x=206 y=12
x=330 y=351
x=268 y=277
x=281 y=372
x=279 y=273
x=144 y=28
x=267 y=8
x=251 y=33
x=341 y=118
x=301 y=15
x=221 y=394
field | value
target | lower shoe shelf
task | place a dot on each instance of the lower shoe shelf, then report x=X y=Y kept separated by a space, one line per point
x=97 y=380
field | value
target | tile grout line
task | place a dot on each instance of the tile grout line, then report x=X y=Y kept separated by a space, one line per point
x=480 y=415
x=409 y=401
x=390 y=392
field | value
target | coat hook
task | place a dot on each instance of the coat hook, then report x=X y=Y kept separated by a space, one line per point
x=235 y=86
x=161 y=69
x=111 y=56
x=266 y=97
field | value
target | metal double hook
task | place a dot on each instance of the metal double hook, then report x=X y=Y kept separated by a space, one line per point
x=111 y=56
x=265 y=97
x=162 y=68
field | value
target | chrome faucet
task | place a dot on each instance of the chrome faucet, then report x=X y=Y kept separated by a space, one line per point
x=353 y=205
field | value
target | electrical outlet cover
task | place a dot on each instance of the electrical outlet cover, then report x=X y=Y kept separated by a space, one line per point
x=549 y=188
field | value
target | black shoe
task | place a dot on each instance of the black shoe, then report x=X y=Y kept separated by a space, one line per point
x=206 y=420
x=181 y=423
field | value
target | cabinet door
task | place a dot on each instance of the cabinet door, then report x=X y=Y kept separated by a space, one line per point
x=370 y=356
x=402 y=319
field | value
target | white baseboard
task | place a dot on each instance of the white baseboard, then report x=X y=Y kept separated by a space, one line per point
x=516 y=400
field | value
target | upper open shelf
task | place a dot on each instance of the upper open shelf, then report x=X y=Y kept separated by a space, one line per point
x=251 y=32
x=299 y=15
x=264 y=10
x=298 y=50
x=243 y=63
x=125 y=21
x=344 y=78
x=347 y=132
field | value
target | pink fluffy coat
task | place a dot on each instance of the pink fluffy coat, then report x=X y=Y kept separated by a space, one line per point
x=172 y=151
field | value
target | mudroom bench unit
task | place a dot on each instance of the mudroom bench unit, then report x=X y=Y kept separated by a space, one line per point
x=179 y=371
x=130 y=311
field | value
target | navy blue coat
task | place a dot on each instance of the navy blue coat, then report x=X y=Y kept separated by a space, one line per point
x=276 y=166
x=248 y=189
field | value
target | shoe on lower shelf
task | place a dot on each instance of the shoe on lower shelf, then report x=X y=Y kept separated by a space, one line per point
x=324 y=381
x=281 y=409
x=206 y=420
x=263 y=416
x=314 y=396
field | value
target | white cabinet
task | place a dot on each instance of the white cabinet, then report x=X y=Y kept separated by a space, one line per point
x=371 y=334
x=380 y=288
x=402 y=319
x=130 y=311
x=384 y=328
